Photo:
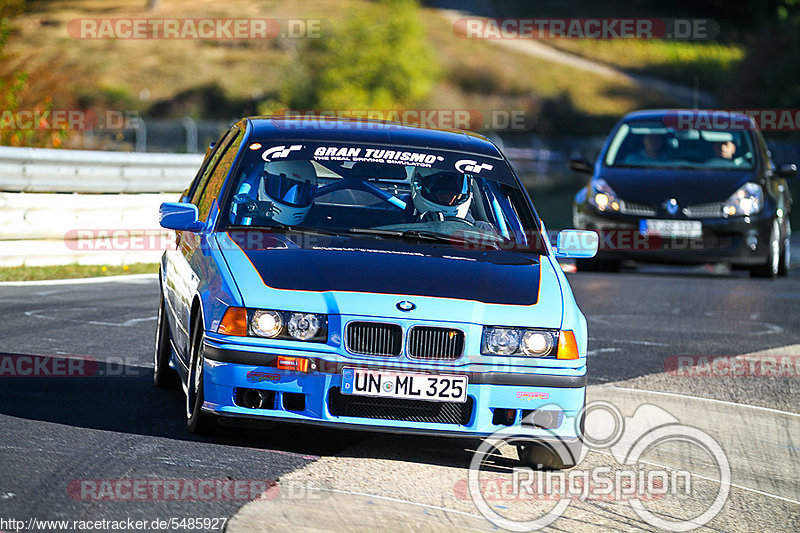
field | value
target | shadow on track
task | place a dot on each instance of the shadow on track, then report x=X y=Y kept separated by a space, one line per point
x=121 y=398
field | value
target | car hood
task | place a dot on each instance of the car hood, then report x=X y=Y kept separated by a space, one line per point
x=368 y=276
x=689 y=187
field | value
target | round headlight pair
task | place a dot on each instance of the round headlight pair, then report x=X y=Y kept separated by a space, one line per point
x=300 y=326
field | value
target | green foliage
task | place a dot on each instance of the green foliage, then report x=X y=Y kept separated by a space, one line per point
x=12 y=92
x=8 y=9
x=377 y=59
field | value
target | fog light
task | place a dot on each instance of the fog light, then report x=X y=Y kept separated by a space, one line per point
x=752 y=241
x=293 y=363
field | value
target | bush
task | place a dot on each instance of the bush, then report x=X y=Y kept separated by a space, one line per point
x=378 y=59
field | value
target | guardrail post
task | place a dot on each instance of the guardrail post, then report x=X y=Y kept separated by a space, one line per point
x=191 y=134
x=141 y=134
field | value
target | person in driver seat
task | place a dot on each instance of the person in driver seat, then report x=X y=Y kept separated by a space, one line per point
x=440 y=194
x=290 y=187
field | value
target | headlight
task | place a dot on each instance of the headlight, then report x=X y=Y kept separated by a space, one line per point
x=501 y=341
x=537 y=343
x=266 y=323
x=273 y=324
x=303 y=326
x=518 y=341
x=603 y=197
x=747 y=200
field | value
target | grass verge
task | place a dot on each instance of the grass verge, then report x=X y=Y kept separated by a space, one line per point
x=32 y=273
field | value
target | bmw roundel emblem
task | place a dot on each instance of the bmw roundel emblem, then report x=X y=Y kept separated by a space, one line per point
x=405 y=305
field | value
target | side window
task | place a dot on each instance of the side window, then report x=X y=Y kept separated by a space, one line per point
x=217 y=176
x=205 y=170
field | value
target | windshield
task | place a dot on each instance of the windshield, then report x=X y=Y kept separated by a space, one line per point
x=388 y=192
x=652 y=144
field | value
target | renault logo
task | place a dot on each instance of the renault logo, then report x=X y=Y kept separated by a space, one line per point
x=405 y=305
x=671 y=206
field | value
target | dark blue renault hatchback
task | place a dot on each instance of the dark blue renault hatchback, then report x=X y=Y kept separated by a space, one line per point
x=687 y=187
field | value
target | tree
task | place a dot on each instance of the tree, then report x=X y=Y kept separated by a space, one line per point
x=377 y=59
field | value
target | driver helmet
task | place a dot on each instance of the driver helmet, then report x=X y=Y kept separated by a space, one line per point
x=290 y=186
x=443 y=191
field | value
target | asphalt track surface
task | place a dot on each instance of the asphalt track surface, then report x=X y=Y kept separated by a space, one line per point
x=59 y=432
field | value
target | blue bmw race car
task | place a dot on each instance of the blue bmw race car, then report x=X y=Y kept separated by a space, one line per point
x=370 y=275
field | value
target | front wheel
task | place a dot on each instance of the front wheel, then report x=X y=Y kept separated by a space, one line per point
x=786 y=252
x=198 y=422
x=164 y=377
x=772 y=263
x=550 y=456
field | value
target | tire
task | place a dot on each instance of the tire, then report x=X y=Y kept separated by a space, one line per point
x=164 y=377
x=772 y=262
x=598 y=265
x=198 y=422
x=786 y=252
x=546 y=456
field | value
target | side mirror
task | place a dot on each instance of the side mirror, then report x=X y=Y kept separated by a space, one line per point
x=179 y=216
x=580 y=244
x=787 y=171
x=579 y=164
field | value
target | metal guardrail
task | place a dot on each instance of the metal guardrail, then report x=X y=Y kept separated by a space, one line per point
x=88 y=171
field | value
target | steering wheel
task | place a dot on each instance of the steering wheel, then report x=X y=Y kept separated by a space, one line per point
x=458 y=219
x=431 y=216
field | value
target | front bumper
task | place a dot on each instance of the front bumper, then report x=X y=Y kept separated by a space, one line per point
x=736 y=240
x=314 y=397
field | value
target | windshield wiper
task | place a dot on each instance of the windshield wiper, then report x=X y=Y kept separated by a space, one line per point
x=418 y=235
x=285 y=228
x=400 y=234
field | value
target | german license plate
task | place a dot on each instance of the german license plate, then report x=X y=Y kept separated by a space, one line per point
x=413 y=386
x=672 y=228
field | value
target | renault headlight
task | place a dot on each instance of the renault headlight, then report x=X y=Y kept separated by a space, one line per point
x=747 y=200
x=603 y=197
